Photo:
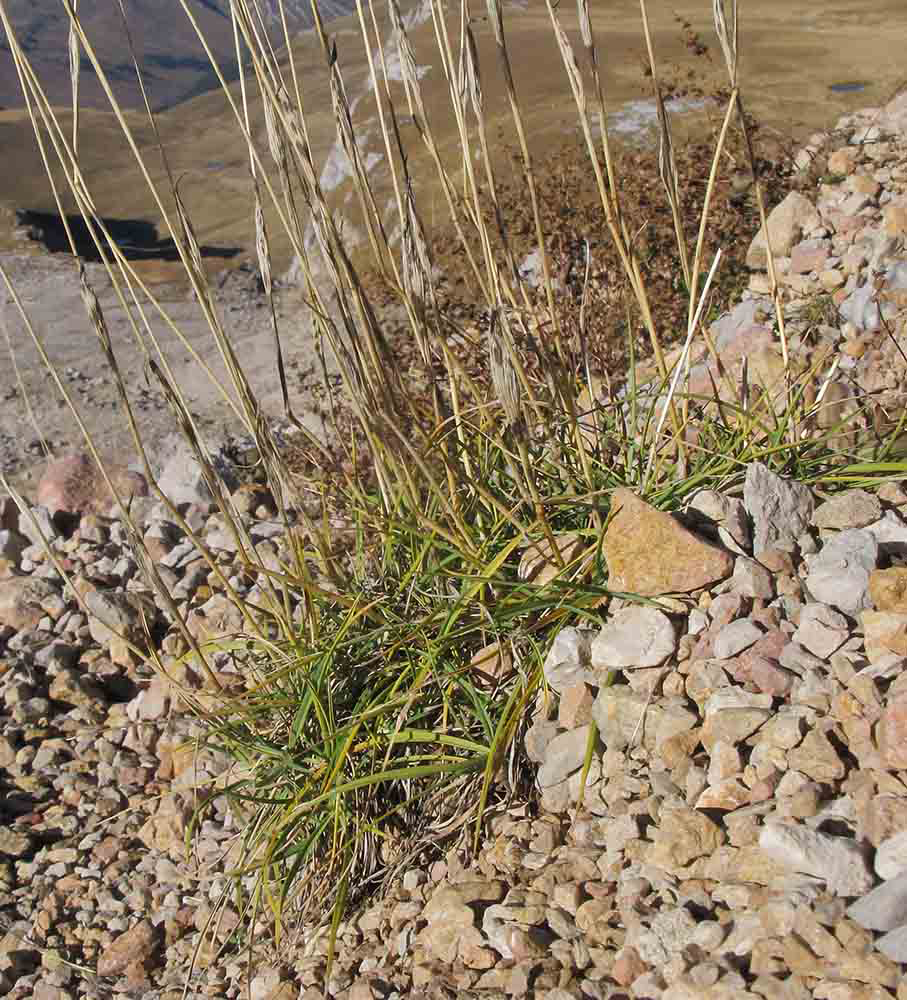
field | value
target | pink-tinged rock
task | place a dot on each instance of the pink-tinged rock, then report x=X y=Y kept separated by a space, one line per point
x=628 y=966
x=650 y=553
x=768 y=677
x=74 y=484
x=891 y=734
x=140 y=944
x=21 y=598
x=844 y=224
x=808 y=256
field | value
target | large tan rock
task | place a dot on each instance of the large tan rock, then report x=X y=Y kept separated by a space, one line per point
x=888 y=589
x=165 y=830
x=140 y=944
x=216 y=618
x=787 y=223
x=682 y=836
x=885 y=632
x=650 y=553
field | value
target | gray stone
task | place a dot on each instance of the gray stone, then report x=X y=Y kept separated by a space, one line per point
x=822 y=630
x=563 y=755
x=114 y=613
x=735 y=637
x=181 y=479
x=794 y=657
x=781 y=509
x=624 y=717
x=891 y=856
x=890 y=532
x=40 y=523
x=569 y=660
x=732 y=714
x=635 y=637
x=862 y=309
x=883 y=909
x=538 y=736
x=670 y=931
x=853 y=509
x=893 y=945
x=840 y=861
x=726 y=516
x=56 y=655
x=839 y=574
x=752 y=579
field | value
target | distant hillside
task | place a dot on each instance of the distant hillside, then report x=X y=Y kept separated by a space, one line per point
x=168 y=49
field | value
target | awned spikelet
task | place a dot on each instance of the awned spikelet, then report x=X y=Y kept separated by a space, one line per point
x=261 y=246
x=503 y=373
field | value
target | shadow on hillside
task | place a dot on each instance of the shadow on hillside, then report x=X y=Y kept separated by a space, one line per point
x=136 y=238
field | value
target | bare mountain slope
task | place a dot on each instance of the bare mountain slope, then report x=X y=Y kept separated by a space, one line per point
x=168 y=49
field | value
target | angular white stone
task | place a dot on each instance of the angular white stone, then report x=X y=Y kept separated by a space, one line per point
x=735 y=637
x=839 y=572
x=634 y=637
x=840 y=861
x=883 y=909
x=822 y=630
x=891 y=856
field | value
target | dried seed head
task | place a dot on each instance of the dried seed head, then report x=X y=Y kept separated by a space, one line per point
x=74 y=60
x=473 y=82
x=667 y=166
x=497 y=21
x=275 y=138
x=503 y=374
x=585 y=24
x=93 y=308
x=261 y=246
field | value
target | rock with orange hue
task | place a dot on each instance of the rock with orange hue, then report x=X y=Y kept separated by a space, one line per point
x=651 y=553
x=891 y=733
x=888 y=589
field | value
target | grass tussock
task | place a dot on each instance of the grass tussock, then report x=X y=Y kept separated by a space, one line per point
x=394 y=655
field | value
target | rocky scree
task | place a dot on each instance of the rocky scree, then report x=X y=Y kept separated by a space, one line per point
x=742 y=828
